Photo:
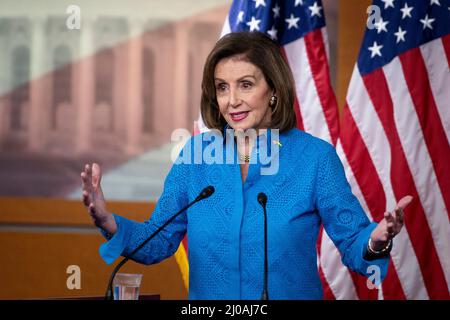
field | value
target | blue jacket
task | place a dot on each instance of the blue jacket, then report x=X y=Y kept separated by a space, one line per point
x=226 y=230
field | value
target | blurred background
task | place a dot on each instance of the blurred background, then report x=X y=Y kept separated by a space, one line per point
x=110 y=90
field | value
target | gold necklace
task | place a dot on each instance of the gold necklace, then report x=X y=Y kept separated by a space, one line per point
x=244 y=158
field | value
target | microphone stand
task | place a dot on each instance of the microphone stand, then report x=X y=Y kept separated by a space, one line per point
x=262 y=199
x=208 y=191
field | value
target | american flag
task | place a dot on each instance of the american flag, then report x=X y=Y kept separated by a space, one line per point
x=394 y=140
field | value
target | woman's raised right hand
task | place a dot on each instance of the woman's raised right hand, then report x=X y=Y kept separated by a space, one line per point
x=94 y=200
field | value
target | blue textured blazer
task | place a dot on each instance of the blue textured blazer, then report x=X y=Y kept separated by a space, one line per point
x=226 y=230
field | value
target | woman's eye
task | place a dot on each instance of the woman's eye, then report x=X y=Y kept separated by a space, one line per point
x=246 y=85
x=221 y=87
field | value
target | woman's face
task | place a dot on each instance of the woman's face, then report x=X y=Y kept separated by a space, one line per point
x=242 y=94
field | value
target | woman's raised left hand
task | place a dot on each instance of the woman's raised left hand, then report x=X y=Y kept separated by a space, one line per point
x=390 y=226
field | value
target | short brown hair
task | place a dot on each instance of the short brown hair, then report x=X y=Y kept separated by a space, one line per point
x=258 y=49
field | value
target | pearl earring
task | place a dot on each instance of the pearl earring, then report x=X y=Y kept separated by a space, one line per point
x=273 y=101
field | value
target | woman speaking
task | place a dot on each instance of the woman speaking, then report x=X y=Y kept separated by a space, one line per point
x=274 y=187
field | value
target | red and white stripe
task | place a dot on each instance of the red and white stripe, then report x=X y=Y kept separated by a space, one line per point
x=308 y=60
x=395 y=140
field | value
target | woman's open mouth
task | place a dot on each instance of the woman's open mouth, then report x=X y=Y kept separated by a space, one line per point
x=238 y=116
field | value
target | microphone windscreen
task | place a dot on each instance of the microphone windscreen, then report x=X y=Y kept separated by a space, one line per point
x=262 y=198
x=207 y=192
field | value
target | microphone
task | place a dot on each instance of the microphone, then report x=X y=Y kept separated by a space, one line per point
x=262 y=199
x=206 y=192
